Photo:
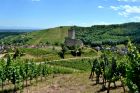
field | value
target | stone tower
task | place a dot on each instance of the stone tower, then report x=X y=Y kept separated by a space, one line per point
x=71 y=34
x=71 y=40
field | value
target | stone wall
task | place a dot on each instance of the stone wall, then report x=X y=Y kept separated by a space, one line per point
x=73 y=42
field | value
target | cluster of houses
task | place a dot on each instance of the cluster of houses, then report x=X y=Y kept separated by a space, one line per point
x=6 y=48
x=122 y=50
x=2 y=49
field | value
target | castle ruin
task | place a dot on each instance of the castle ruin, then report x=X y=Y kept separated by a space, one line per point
x=71 y=40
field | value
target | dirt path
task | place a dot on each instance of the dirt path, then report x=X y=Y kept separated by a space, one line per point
x=2 y=55
x=72 y=83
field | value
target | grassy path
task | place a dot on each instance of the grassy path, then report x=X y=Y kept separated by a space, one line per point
x=69 y=83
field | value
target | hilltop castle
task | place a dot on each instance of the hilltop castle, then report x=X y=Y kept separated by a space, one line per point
x=71 y=41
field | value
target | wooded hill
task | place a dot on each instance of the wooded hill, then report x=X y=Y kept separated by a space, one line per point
x=94 y=35
x=109 y=34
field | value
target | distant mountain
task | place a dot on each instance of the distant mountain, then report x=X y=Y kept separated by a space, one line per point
x=17 y=27
x=18 y=30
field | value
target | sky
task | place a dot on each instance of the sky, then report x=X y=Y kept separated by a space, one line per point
x=53 y=13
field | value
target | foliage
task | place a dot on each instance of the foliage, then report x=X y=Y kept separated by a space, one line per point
x=18 y=71
x=108 y=34
x=126 y=68
x=133 y=68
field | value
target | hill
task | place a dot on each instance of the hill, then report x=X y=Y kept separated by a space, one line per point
x=6 y=34
x=47 y=36
x=94 y=35
x=109 y=34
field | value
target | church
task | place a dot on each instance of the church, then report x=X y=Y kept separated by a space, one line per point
x=71 y=40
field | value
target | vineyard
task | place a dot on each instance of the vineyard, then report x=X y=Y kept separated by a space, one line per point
x=110 y=67
x=17 y=74
x=113 y=67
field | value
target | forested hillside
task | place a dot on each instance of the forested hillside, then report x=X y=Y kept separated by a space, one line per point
x=109 y=34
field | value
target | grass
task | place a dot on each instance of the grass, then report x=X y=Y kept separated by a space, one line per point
x=79 y=64
x=39 y=54
x=37 y=51
x=60 y=70
x=70 y=83
x=89 y=52
x=49 y=54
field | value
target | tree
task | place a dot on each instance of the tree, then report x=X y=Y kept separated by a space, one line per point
x=17 y=53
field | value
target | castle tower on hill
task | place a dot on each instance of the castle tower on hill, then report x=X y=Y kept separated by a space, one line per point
x=71 y=40
x=71 y=34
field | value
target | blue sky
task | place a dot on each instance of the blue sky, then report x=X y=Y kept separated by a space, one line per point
x=52 y=13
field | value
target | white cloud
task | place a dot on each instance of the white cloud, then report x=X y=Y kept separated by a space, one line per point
x=123 y=14
x=128 y=0
x=126 y=10
x=36 y=0
x=131 y=9
x=114 y=7
x=100 y=7
x=135 y=18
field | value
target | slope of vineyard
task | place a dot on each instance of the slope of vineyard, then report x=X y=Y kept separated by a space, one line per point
x=110 y=67
x=48 y=36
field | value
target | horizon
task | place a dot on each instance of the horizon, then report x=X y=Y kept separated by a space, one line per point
x=33 y=28
x=42 y=14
